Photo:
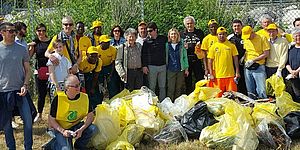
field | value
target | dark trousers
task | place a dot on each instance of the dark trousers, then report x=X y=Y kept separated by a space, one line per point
x=242 y=84
x=108 y=79
x=134 y=79
x=270 y=71
x=93 y=93
x=196 y=69
x=295 y=83
x=42 y=88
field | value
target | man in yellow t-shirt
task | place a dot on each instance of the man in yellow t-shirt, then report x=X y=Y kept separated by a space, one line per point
x=91 y=66
x=224 y=56
x=208 y=41
x=108 y=75
x=257 y=50
x=83 y=41
x=68 y=109
x=97 y=32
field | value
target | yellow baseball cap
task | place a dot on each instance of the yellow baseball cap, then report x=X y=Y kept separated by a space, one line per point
x=142 y=23
x=92 y=50
x=96 y=24
x=272 y=26
x=212 y=21
x=221 y=30
x=104 y=38
x=246 y=32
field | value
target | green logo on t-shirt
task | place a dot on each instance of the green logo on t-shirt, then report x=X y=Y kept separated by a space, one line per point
x=72 y=115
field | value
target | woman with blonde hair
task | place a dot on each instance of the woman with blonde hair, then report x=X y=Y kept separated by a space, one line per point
x=177 y=64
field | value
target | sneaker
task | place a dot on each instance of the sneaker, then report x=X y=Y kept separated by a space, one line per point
x=38 y=118
x=14 y=125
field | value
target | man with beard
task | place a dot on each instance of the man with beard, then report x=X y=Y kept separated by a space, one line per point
x=97 y=32
x=21 y=29
x=191 y=36
x=70 y=50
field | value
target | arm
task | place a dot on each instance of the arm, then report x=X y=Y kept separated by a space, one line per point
x=52 y=123
x=89 y=120
x=210 y=62
x=283 y=57
x=145 y=58
x=262 y=56
x=52 y=75
x=205 y=63
x=26 y=80
x=119 y=61
x=31 y=49
x=236 y=64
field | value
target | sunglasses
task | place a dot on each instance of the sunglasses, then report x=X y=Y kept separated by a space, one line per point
x=41 y=30
x=68 y=24
x=116 y=30
x=75 y=86
x=149 y=30
x=11 y=31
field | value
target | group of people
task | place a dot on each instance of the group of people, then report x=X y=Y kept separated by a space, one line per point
x=79 y=68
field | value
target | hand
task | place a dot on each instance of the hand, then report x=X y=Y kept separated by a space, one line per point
x=185 y=45
x=78 y=133
x=23 y=91
x=124 y=77
x=278 y=74
x=211 y=77
x=186 y=73
x=145 y=70
x=31 y=44
x=249 y=63
x=67 y=133
x=294 y=73
x=206 y=72
x=74 y=69
x=237 y=75
x=54 y=60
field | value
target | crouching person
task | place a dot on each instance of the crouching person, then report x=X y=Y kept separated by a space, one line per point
x=67 y=112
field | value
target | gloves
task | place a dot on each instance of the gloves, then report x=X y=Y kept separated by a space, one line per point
x=249 y=63
x=278 y=73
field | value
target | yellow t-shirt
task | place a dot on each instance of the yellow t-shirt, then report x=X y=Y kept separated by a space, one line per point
x=222 y=54
x=208 y=41
x=84 y=44
x=107 y=56
x=86 y=67
x=70 y=112
x=256 y=47
x=65 y=51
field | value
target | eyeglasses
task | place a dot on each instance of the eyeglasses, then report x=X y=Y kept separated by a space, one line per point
x=149 y=30
x=68 y=24
x=11 y=31
x=75 y=86
x=116 y=30
x=41 y=30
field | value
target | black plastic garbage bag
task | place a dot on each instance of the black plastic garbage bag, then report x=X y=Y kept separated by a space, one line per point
x=173 y=132
x=292 y=124
x=196 y=119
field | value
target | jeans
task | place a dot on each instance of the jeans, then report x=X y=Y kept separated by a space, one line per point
x=65 y=143
x=158 y=74
x=256 y=82
x=94 y=99
x=26 y=116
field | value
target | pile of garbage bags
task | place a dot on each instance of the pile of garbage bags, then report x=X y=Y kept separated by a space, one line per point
x=219 y=123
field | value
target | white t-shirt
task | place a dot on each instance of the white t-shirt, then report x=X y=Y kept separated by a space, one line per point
x=61 y=70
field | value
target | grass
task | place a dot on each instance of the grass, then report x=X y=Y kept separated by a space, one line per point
x=40 y=137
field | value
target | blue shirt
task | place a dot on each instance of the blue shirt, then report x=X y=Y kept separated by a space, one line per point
x=113 y=42
x=174 y=58
x=294 y=58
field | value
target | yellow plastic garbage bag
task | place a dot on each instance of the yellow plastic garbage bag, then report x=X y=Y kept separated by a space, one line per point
x=133 y=134
x=126 y=113
x=233 y=130
x=108 y=122
x=285 y=104
x=275 y=85
x=203 y=93
x=122 y=94
x=265 y=111
x=120 y=145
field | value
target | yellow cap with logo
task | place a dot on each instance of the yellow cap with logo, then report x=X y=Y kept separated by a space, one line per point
x=96 y=24
x=246 y=32
x=212 y=21
x=104 y=38
x=221 y=30
x=272 y=26
x=92 y=50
